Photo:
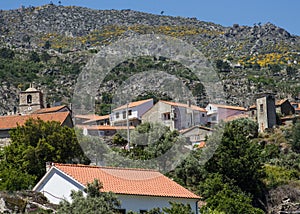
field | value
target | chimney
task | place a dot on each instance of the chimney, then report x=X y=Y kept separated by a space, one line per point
x=48 y=166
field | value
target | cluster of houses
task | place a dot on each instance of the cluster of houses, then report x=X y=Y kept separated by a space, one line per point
x=138 y=189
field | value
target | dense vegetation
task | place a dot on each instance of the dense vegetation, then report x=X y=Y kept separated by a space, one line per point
x=32 y=145
x=244 y=168
x=247 y=173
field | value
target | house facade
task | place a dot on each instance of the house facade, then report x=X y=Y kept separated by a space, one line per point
x=217 y=112
x=139 y=190
x=176 y=116
x=102 y=130
x=133 y=112
x=196 y=134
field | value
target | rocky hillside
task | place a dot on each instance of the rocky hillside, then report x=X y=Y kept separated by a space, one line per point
x=49 y=45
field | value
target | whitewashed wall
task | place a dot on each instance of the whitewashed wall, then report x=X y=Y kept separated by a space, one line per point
x=137 y=203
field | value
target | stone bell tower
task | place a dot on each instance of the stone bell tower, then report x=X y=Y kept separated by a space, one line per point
x=266 y=112
x=30 y=100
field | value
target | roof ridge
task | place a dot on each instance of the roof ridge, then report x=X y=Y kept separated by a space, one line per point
x=103 y=167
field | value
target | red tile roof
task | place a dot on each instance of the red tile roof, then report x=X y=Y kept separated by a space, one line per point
x=201 y=145
x=97 y=118
x=197 y=108
x=86 y=116
x=127 y=181
x=133 y=104
x=235 y=117
x=280 y=102
x=182 y=131
x=230 y=107
x=9 y=122
x=103 y=127
x=50 y=110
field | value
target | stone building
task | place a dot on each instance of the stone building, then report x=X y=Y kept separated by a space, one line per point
x=177 y=116
x=30 y=101
x=266 y=112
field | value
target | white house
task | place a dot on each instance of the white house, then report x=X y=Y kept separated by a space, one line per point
x=197 y=134
x=138 y=190
x=176 y=115
x=218 y=112
x=133 y=111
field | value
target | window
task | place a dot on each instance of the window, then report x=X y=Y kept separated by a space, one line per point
x=117 y=115
x=166 y=116
x=261 y=107
x=124 y=114
x=214 y=118
x=129 y=112
x=29 y=99
x=203 y=115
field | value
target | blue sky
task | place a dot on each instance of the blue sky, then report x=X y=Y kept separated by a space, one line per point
x=285 y=14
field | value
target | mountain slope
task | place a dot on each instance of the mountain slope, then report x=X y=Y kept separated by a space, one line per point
x=58 y=41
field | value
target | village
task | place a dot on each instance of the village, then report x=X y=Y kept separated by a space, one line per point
x=138 y=189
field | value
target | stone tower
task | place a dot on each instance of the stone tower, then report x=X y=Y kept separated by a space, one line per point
x=30 y=100
x=266 y=112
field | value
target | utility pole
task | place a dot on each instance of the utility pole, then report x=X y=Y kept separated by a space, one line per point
x=128 y=133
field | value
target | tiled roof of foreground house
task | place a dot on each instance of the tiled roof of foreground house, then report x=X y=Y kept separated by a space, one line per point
x=127 y=181
x=197 y=108
x=133 y=104
x=9 y=122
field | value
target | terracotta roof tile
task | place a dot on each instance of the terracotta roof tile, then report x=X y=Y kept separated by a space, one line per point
x=97 y=118
x=9 y=122
x=280 y=102
x=127 y=181
x=133 y=104
x=235 y=117
x=86 y=116
x=49 y=110
x=230 y=107
x=182 y=131
x=201 y=145
x=197 y=108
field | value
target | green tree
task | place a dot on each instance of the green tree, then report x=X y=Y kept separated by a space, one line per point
x=178 y=208
x=95 y=201
x=291 y=70
x=6 y=53
x=238 y=161
x=47 y=44
x=223 y=66
x=189 y=172
x=38 y=142
x=237 y=158
x=34 y=57
x=45 y=56
x=232 y=201
x=274 y=68
x=296 y=137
